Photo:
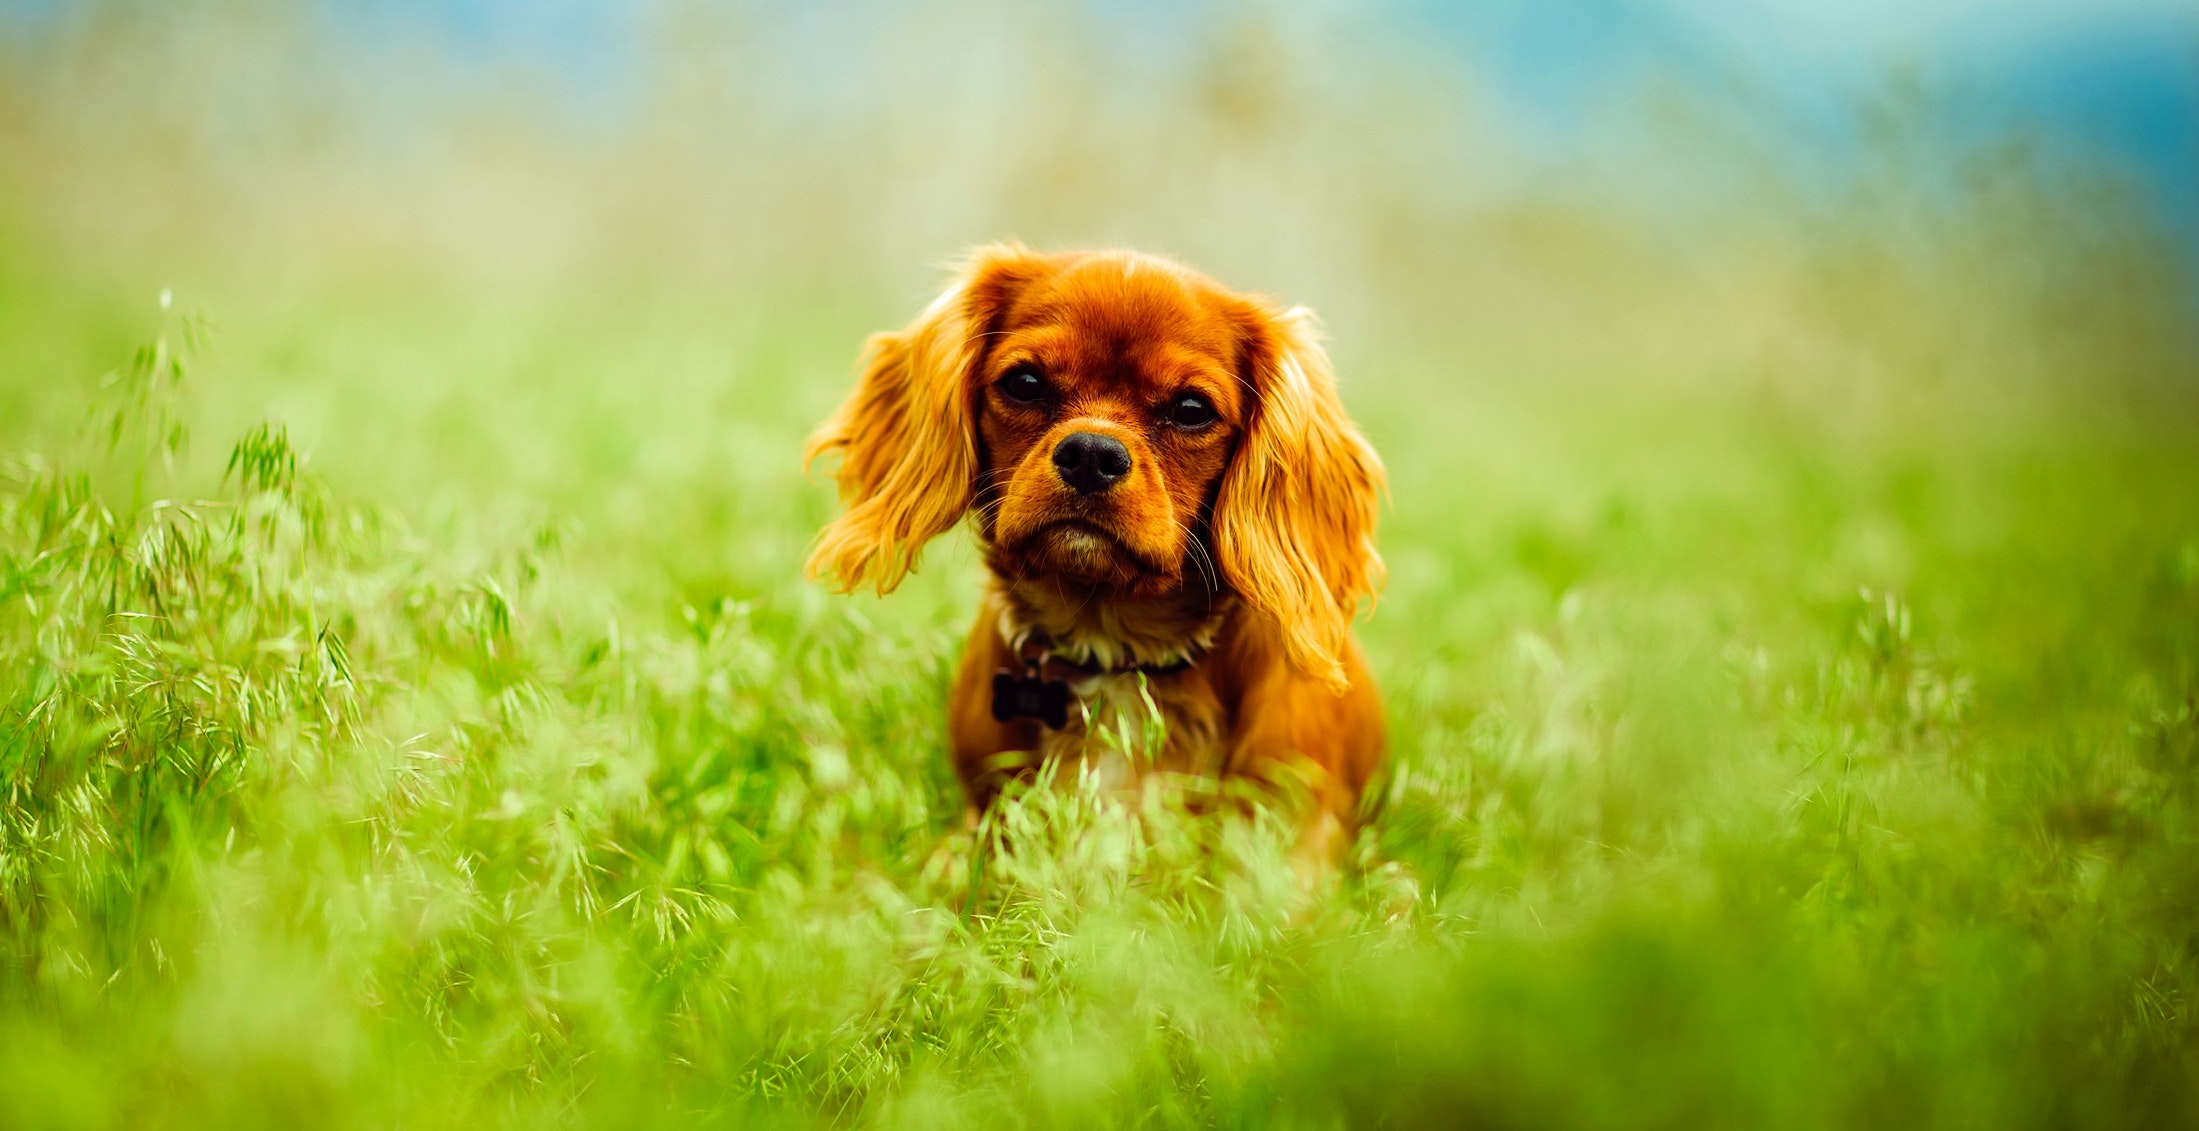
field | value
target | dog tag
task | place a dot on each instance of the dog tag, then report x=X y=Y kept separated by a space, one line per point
x=1029 y=697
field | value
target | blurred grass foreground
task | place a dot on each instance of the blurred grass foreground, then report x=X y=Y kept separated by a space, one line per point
x=411 y=713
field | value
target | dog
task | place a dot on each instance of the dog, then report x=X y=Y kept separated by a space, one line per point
x=1174 y=510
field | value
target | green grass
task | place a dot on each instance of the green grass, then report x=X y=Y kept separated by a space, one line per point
x=411 y=713
x=1745 y=775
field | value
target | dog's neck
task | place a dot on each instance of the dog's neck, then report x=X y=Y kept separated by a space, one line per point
x=1107 y=630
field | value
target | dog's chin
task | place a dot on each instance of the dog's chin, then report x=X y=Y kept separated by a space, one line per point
x=1085 y=553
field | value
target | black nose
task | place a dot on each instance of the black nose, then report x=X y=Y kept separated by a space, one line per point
x=1090 y=463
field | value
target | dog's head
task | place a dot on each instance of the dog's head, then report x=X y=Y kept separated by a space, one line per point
x=1119 y=424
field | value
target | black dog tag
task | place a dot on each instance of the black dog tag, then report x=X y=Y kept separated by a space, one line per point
x=1029 y=697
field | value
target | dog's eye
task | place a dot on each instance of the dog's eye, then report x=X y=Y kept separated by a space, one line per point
x=1190 y=411
x=1023 y=385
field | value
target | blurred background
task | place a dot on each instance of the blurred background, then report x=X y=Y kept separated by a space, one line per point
x=1416 y=170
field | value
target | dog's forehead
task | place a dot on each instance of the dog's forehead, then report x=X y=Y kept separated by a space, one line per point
x=1128 y=308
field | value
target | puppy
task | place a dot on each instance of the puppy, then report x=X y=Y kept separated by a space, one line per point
x=1174 y=509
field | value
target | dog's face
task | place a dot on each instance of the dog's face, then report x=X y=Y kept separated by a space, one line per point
x=1109 y=403
x=1120 y=425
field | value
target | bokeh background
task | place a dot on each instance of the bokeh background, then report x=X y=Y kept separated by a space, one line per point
x=411 y=710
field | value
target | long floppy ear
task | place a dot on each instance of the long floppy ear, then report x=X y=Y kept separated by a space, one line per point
x=907 y=435
x=1294 y=520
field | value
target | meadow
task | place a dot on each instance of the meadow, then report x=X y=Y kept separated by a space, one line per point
x=412 y=712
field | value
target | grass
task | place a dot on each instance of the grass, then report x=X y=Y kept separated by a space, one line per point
x=411 y=713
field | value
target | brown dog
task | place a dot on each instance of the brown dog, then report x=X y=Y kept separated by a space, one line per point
x=1173 y=506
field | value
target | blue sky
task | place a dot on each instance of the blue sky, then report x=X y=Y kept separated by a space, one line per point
x=2114 y=82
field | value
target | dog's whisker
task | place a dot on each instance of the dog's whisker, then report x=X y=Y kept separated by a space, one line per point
x=1197 y=551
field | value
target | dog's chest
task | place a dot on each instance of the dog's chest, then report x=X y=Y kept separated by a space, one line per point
x=1125 y=725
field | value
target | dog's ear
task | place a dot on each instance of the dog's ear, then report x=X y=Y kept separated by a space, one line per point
x=907 y=435
x=1294 y=520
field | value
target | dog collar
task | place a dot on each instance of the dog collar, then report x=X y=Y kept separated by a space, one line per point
x=1033 y=694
